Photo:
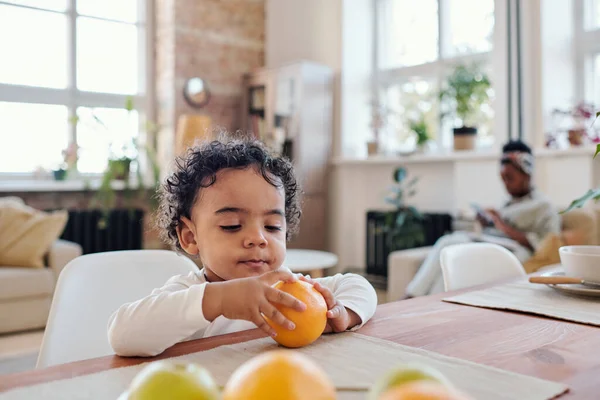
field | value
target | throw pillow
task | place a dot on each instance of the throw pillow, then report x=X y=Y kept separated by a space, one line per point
x=26 y=234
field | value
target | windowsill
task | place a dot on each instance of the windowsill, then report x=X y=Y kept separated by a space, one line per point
x=453 y=156
x=49 y=185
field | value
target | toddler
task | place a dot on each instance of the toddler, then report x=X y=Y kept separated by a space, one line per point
x=234 y=205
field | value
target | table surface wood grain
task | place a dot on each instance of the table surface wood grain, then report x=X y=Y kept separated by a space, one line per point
x=536 y=346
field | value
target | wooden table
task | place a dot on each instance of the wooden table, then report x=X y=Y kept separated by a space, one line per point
x=542 y=347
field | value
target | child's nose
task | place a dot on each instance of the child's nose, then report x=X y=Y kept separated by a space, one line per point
x=256 y=238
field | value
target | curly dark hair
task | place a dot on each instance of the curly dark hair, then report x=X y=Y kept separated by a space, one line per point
x=198 y=169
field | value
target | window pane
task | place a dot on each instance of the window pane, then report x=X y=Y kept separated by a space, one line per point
x=121 y=10
x=110 y=136
x=471 y=26
x=33 y=59
x=32 y=135
x=593 y=8
x=107 y=56
x=410 y=105
x=409 y=32
x=56 y=5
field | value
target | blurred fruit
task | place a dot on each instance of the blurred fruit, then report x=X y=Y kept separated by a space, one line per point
x=277 y=375
x=310 y=323
x=404 y=374
x=422 y=390
x=162 y=380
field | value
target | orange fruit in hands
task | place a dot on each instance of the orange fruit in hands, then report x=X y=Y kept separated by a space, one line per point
x=422 y=390
x=279 y=374
x=310 y=323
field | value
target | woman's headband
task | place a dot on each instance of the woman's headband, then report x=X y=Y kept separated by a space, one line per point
x=520 y=159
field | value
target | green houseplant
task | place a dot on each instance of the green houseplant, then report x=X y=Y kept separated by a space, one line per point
x=404 y=224
x=420 y=129
x=466 y=89
x=592 y=194
x=119 y=167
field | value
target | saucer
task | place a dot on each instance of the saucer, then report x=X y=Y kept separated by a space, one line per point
x=577 y=290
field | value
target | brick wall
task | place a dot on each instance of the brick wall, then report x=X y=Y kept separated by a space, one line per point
x=218 y=40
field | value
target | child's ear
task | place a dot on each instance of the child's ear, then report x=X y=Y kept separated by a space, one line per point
x=186 y=232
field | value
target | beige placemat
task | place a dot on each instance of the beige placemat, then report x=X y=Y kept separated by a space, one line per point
x=535 y=299
x=350 y=360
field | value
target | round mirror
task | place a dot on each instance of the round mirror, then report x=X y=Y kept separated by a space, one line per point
x=196 y=93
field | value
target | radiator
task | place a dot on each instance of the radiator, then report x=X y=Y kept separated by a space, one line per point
x=435 y=224
x=122 y=230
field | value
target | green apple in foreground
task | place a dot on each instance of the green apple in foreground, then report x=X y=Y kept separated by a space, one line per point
x=163 y=380
x=404 y=374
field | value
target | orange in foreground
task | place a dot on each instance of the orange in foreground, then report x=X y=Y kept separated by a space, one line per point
x=310 y=323
x=422 y=390
x=279 y=374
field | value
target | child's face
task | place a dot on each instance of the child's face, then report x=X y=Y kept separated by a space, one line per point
x=237 y=226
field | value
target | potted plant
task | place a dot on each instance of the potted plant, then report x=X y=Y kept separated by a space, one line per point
x=119 y=167
x=403 y=225
x=377 y=123
x=421 y=130
x=69 y=163
x=592 y=194
x=466 y=90
x=578 y=124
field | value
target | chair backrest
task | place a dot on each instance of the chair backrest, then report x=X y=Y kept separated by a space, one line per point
x=90 y=289
x=472 y=264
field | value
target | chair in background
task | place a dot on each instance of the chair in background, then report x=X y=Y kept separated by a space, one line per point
x=472 y=264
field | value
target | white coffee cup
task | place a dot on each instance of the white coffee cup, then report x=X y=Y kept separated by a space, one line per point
x=581 y=262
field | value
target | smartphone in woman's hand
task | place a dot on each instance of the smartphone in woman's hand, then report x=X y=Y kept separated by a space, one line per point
x=482 y=215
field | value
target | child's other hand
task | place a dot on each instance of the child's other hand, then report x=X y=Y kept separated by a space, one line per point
x=251 y=298
x=339 y=318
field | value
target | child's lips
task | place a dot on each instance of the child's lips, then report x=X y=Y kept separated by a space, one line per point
x=254 y=263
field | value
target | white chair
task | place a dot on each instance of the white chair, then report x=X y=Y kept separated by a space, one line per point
x=472 y=264
x=90 y=289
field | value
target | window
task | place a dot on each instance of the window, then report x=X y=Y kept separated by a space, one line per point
x=587 y=39
x=418 y=45
x=82 y=55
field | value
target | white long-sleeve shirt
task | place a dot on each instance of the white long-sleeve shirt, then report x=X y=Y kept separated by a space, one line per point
x=173 y=313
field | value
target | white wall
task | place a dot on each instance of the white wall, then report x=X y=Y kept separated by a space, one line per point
x=303 y=29
x=337 y=33
x=307 y=30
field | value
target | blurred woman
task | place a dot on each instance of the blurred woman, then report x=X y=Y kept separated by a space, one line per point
x=520 y=224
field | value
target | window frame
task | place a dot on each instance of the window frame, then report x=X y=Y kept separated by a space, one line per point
x=587 y=48
x=72 y=97
x=434 y=70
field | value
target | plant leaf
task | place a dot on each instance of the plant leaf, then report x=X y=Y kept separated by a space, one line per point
x=399 y=174
x=597 y=150
x=580 y=202
x=129 y=103
x=400 y=219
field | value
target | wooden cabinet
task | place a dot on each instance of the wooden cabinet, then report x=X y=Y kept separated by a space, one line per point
x=290 y=108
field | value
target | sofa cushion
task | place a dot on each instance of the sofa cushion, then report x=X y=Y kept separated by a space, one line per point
x=582 y=220
x=26 y=234
x=16 y=282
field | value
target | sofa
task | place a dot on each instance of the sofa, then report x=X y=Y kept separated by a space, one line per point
x=581 y=224
x=26 y=293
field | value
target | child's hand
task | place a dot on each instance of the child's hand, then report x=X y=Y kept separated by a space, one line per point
x=251 y=298
x=339 y=318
